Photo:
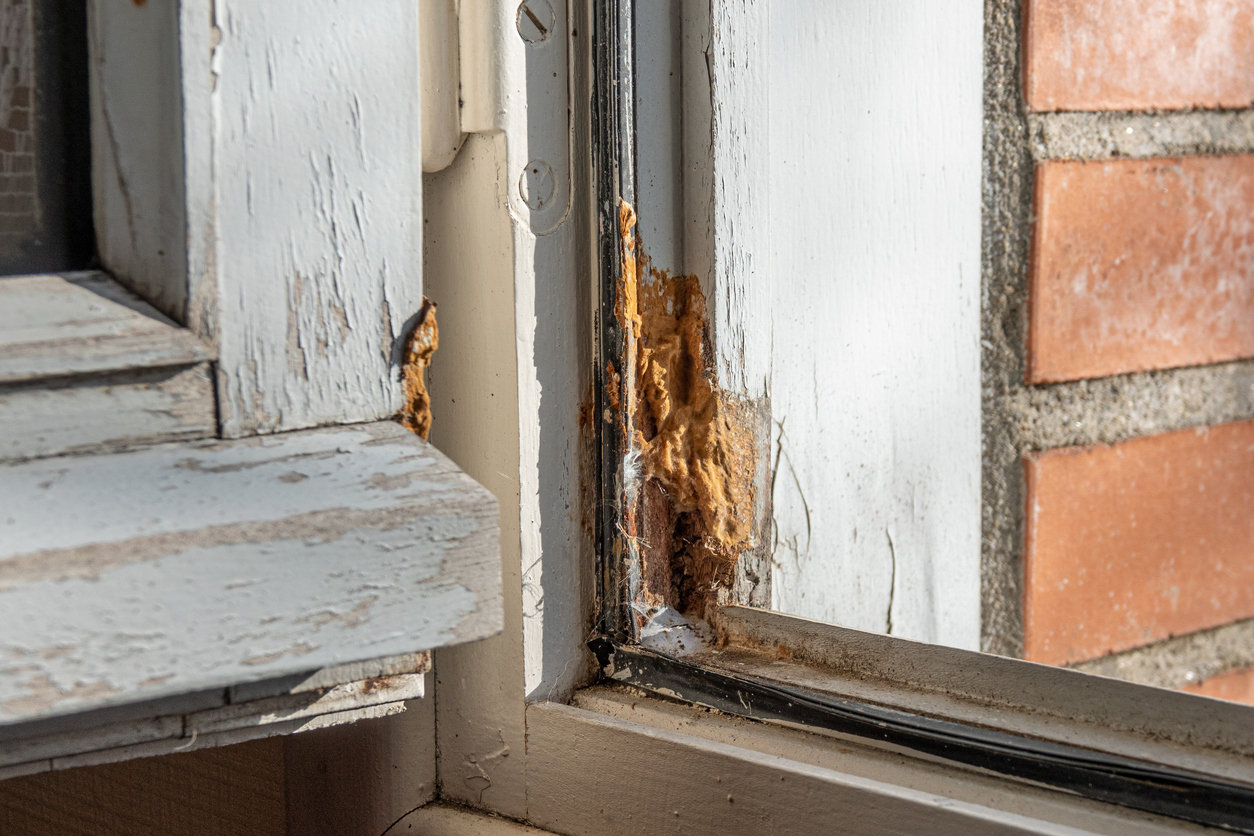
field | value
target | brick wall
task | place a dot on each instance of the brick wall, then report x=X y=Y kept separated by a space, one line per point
x=19 y=203
x=1118 y=332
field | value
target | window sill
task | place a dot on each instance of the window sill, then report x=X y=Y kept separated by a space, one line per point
x=183 y=568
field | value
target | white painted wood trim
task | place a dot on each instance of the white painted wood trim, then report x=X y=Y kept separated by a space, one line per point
x=137 y=134
x=441 y=83
x=508 y=384
x=185 y=567
x=726 y=54
x=317 y=171
x=594 y=774
x=1039 y=701
x=875 y=126
x=58 y=325
x=865 y=759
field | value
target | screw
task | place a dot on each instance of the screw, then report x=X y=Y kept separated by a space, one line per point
x=537 y=184
x=535 y=20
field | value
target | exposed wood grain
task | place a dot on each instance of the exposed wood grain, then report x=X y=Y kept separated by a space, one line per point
x=875 y=166
x=384 y=689
x=318 y=213
x=725 y=56
x=183 y=567
x=99 y=413
x=82 y=323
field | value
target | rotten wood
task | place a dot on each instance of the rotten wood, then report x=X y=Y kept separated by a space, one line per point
x=423 y=341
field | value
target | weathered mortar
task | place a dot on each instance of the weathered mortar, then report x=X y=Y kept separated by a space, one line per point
x=1018 y=418
x=1140 y=135
x=1183 y=660
x=1007 y=203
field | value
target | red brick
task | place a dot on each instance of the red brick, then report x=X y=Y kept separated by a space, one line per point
x=1138 y=54
x=1141 y=264
x=1136 y=542
x=1237 y=686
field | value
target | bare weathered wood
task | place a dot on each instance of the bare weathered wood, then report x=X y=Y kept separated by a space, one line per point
x=319 y=208
x=83 y=323
x=406 y=663
x=99 y=413
x=307 y=704
x=185 y=567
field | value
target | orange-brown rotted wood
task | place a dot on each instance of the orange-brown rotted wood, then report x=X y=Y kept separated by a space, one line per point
x=1141 y=264
x=1138 y=54
x=1136 y=542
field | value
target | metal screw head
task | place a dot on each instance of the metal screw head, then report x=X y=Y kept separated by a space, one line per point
x=537 y=184
x=535 y=20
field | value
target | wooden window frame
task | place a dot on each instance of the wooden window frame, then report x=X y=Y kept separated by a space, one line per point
x=553 y=748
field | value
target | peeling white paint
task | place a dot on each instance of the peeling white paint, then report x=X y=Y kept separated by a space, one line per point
x=180 y=567
x=875 y=160
x=319 y=208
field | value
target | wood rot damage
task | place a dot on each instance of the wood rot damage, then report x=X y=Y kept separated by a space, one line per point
x=688 y=492
x=424 y=339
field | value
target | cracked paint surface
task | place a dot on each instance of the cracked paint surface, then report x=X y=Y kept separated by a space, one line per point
x=187 y=567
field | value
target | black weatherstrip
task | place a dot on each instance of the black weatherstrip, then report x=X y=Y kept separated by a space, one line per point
x=1140 y=785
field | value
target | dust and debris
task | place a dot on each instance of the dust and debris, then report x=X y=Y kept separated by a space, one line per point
x=423 y=341
x=696 y=443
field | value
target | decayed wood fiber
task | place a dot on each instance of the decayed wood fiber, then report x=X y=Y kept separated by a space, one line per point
x=423 y=341
x=697 y=455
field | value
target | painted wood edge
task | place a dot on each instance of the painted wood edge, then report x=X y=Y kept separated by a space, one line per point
x=307 y=704
x=299 y=711
x=679 y=782
x=405 y=663
x=871 y=759
x=107 y=413
x=227 y=738
x=192 y=740
x=726 y=55
x=444 y=589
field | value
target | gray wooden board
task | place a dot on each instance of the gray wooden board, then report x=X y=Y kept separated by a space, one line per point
x=184 y=567
x=80 y=323
x=318 y=208
x=71 y=415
